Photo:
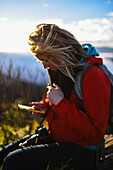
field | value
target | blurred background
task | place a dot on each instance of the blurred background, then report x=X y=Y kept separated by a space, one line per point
x=22 y=78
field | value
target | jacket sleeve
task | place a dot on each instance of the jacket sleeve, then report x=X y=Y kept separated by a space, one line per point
x=92 y=123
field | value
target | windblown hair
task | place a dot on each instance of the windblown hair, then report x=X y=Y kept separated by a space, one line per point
x=48 y=40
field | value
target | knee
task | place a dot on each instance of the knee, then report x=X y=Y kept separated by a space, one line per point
x=10 y=162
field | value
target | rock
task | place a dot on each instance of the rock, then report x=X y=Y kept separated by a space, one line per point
x=107 y=164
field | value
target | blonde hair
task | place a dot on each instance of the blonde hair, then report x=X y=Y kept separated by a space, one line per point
x=48 y=40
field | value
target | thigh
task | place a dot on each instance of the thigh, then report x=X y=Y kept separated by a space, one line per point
x=34 y=157
x=52 y=155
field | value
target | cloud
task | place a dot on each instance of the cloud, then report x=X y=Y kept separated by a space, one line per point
x=3 y=19
x=89 y=29
x=45 y=4
x=94 y=29
x=110 y=14
x=14 y=35
x=109 y=1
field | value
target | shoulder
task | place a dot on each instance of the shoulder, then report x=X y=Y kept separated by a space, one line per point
x=95 y=73
x=95 y=77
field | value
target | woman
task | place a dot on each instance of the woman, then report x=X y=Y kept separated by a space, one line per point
x=74 y=132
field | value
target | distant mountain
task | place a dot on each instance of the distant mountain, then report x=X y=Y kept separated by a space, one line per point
x=104 y=49
x=27 y=62
x=109 y=58
x=18 y=58
x=28 y=59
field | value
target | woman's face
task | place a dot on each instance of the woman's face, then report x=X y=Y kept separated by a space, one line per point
x=47 y=63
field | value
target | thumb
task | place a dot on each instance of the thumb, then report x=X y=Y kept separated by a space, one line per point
x=56 y=86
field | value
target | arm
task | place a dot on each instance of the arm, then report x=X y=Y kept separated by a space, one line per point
x=96 y=96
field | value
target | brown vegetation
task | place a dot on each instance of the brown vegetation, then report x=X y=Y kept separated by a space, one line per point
x=14 y=91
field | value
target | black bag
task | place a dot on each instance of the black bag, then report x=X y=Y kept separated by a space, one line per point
x=90 y=50
x=40 y=136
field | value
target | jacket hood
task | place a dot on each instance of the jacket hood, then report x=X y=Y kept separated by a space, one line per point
x=93 y=59
x=90 y=49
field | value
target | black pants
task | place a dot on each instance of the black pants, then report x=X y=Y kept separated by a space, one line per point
x=54 y=155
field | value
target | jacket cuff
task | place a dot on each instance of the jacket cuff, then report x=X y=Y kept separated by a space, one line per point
x=60 y=105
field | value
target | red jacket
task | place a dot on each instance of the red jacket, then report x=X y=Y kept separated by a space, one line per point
x=70 y=123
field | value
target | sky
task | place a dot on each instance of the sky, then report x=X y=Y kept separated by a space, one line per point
x=89 y=21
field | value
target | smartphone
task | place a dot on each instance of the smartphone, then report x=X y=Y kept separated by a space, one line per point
x=29 y=108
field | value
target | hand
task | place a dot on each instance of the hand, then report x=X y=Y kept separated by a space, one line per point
x=40 y=106
x=55 y=94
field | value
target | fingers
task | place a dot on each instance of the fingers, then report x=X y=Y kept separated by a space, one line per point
x=55 y=86
x=36 y=104
x=39 y=105
x=38 y=114
x=33 y=103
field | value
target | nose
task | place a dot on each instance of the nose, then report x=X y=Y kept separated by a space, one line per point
x=45 y=65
